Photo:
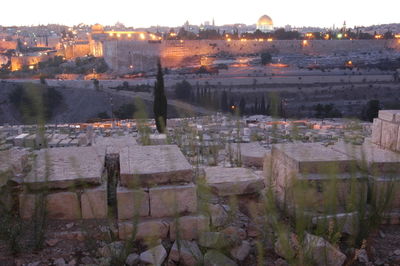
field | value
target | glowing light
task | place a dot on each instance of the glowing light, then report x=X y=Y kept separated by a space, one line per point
x=130 y=66
x=309 y=35
x=397 y=36
x=327 y=37
x=340 y=36
x=243 y=40
x=111 y=34
x=142 y=36
x=181 y=41
x=261 y=40
x=129 y=35
x=378 y=36
x=232 y=107
x=119 y=35
x=31 y=67
x=172 y=34
x=305 y=42
x=229 y=39
x=269 y=40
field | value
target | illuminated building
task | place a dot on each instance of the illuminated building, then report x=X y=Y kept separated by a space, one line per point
x=265 y=24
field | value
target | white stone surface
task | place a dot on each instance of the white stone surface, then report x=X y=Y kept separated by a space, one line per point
x=132 y=203
x=63 y=206
x=377 y=131
x=154 y=165
x=169 y=201
x=94 y=203
x=389 y=115
x=154 y=256
x=65 y=168
x=186 y=253
x=233 y=181
x=390 y=133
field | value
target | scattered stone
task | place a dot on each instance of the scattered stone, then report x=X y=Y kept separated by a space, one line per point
x=117 y=248
x=87 y=260
x=189 y=227
x=52 y=242
x=242 y=251
x=215 y=240
x=233 y=181
x=322 y=252
x=235 y=231
x=132 y=259
x=363 y=256
x=215 y=258
x=186 y=253
x=154 y=256
x=150 y=229
x=397 y=252
x=382 y=234
x=36 y=263
x=72 y=262
x=59 y=262
x=219 y=216
x=105 y=262
x=281 y=262
x=104 y=251
x=69 y=225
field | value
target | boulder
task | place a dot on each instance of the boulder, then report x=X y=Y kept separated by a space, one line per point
x=215 y=258
x=189 y=227
x=132 y=259
x=219 y=216
x=242 y=251
x=186 y=253
x=147 y=229
x=215 y=240
x=154 y=256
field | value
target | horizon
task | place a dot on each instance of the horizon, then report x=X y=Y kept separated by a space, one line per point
x=299 y=14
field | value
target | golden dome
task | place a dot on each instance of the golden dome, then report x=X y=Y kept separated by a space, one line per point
x=265 y=21
x=97 y=28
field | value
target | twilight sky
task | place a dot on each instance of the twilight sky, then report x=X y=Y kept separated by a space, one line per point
x=144 y=13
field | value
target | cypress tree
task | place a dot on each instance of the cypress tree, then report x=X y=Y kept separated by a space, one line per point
x=263 y=110
x=160 y=101
x=224 y=102
x=242 y=106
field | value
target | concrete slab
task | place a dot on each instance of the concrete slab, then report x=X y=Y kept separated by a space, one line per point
x=60 y=168
x=233 y=181
x=154 y=165
x=169 y=201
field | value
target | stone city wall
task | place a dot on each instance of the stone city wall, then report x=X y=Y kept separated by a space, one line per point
x=140 y=55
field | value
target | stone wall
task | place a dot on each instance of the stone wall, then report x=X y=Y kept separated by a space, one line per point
x=141 y=55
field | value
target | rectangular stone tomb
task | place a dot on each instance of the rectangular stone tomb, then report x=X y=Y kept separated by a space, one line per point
x=61 y=168
x=233 y=181
x=376 y=160
x=306 y=174
x=147 y=166
x=252 y=154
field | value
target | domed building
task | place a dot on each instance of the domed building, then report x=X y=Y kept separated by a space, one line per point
x=97 y=28
x=265 y=24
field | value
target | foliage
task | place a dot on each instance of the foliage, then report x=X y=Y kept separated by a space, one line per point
x=266 y=58
x=183 y=90
x=371 y=110
x=126 y=111
x=160 y=101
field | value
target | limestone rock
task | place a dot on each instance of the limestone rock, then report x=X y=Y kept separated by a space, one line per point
x=215 y=240
x=63 y=205
x=147 y=229
x=215 y=258
x=219 y=216
x=186 y=253
x=189 y=227
x=242 y=251
x=94 y=203
x=322 y=252
x=132 y=203
x=236 y=232
x=132 y=259
x=233 y=181
x=154 y=256
x=168 y=201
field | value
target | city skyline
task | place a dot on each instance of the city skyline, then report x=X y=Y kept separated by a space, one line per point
x=174 y=13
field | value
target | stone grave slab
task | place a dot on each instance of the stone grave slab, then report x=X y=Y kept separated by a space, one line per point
x=147 y=166
x=61 y=168
x=233 y=181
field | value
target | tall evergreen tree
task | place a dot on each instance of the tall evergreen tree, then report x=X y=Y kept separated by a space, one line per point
x=263 y=110
x=224 y=102
x=160 y=101
x=256 y=106
x=242 y=106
